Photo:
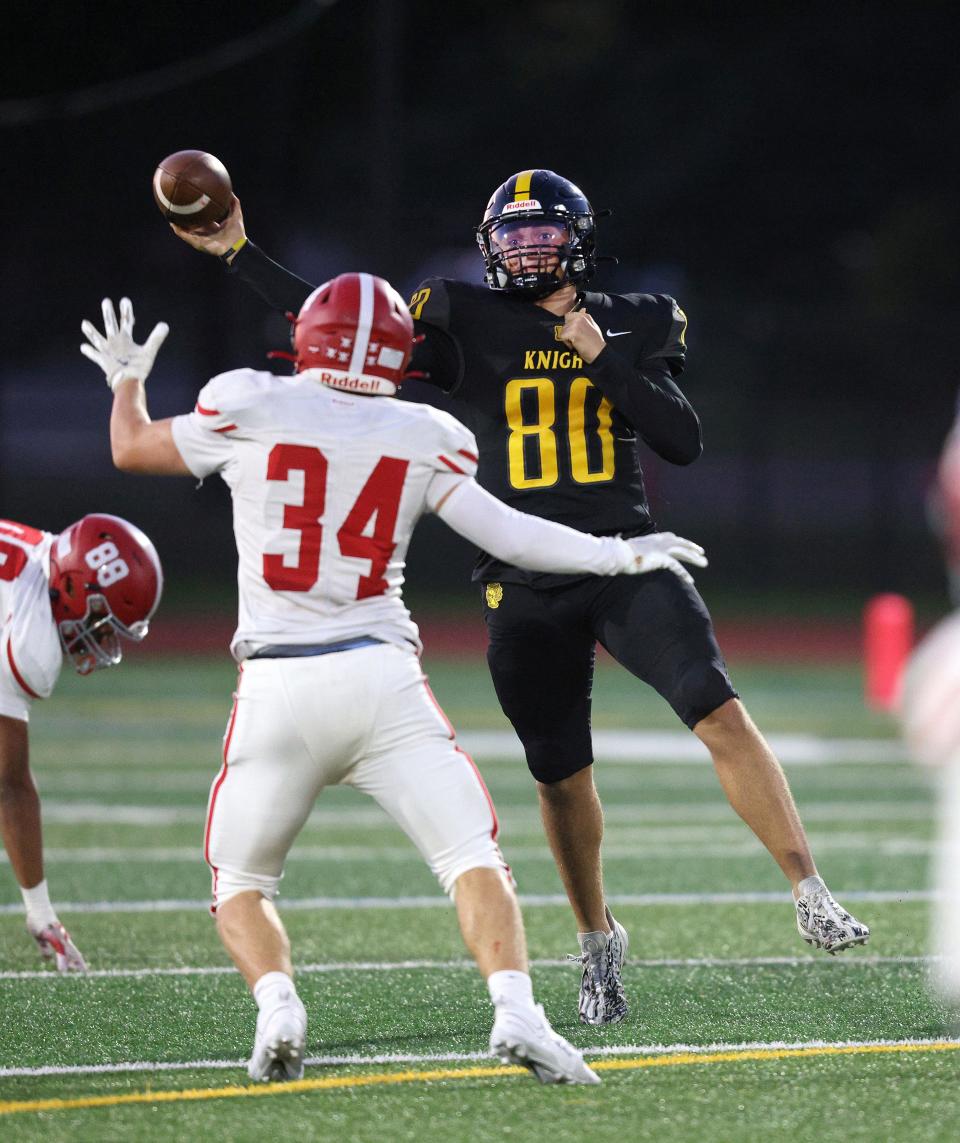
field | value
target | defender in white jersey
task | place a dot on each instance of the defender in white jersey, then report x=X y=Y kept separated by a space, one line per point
x=74 y=593
x=328 y=477
x=930 y=713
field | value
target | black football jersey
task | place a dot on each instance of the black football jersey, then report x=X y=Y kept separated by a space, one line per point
x=558 y=437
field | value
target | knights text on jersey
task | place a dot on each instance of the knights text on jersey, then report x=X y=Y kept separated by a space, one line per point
x=326 y=487
x=30 y=651
x=550 y=442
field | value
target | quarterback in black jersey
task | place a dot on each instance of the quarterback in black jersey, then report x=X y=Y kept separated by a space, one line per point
x=561 y=386
x=557 y=434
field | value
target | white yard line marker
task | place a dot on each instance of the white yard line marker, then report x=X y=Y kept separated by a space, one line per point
x=514 y=817
x=857 y=961
x=640 y=746
x=637 y=747
x=877 y=896
x=452 y=1057
x=746 y=847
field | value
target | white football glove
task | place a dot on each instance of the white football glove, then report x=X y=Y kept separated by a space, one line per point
x=666 y=550
x=115 y=351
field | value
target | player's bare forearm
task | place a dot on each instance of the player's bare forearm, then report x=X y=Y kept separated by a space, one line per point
x=139 y=444
x=19 y=804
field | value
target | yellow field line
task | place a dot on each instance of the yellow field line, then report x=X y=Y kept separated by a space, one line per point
x=770 y=1054
x=327 y=1083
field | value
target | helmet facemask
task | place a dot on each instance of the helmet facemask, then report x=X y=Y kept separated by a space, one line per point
x=93 y=642
x=105 y=581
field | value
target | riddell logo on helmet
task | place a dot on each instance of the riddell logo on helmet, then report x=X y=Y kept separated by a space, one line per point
x=345 y=381
x=352 y=383
x=527 y=204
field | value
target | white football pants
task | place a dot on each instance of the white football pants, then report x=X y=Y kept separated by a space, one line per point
x=946 y=867
x=364 y=718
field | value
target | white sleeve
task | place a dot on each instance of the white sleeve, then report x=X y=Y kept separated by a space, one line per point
x=12 y=705
x=203 y=436
x=204 y=449
x=526 y=541
x=30 y=651
x=455 y=449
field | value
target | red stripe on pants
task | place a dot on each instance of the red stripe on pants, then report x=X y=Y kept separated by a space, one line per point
x=221 y=777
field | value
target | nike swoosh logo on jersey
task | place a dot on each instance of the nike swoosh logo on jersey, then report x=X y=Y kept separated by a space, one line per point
x=619 y=333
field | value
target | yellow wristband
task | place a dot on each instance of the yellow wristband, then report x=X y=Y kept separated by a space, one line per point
x=229 y=255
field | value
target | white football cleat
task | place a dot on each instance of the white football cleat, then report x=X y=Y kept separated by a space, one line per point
x=602 y=998
x=523 y=1036
x=825 y=924
x=55 y=945
x=280 y=1043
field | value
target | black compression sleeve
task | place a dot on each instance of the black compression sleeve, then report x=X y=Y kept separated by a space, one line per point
x=436 y=360
x=436 y=357
x=649 y=399
x=278 y=287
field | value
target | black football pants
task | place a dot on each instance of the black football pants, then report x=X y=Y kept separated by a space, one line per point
x=542 y=647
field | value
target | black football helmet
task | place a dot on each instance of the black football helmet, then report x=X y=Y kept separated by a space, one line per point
x=538 y=234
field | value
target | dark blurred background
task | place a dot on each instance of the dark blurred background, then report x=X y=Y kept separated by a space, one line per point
x=789 y=173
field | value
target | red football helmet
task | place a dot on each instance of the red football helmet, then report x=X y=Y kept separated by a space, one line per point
x=355 y=333
x=105 y=581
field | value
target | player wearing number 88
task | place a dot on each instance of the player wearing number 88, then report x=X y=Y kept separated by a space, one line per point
x=329 y=474
x=106 y=581
x=74 y=593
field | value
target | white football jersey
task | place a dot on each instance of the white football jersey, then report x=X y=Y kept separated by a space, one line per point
x=30 y=652
x=327 y=487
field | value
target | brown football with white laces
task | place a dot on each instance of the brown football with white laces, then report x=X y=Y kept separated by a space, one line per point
x=192 y=189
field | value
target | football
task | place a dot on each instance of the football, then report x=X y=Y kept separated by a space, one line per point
x=192 y=189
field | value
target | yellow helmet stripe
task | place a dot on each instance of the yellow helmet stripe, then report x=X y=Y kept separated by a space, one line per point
x=521 y=188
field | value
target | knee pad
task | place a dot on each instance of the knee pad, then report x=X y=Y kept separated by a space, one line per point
x=551 y=759
x=477 y=852
x=703 y=686
x=228 y=883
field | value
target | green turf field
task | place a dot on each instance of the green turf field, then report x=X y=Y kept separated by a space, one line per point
x=399 y=1020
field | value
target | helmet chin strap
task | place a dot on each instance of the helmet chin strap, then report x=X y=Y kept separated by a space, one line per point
x=542 y=289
